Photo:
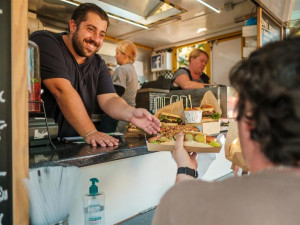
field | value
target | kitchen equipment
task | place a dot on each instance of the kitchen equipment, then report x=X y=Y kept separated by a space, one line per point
x=184 y=100
x=228 y=100
x=40 y=132
x=145 y=97
x=34 y=79
x=41 y=128
x=196 y=94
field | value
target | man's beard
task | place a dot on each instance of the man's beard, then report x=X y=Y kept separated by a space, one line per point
x=79 y=48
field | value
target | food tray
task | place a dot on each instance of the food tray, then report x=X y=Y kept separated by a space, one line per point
x=189 y=146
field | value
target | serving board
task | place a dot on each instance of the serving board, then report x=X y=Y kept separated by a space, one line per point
x=170 y=146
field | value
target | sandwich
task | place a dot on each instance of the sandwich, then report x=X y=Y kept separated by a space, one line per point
x=169 y=119
x=209 y=112
x=192 y=137
x=236 y=156
x=234 y=147
x=134 y=129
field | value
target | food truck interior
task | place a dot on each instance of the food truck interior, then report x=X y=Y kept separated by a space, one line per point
x=164 y=33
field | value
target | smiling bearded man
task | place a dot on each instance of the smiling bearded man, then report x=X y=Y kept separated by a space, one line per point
x=84 y=35
x=75 y=79
x=80 y=49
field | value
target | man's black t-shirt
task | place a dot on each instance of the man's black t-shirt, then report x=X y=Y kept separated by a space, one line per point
x=89 y=79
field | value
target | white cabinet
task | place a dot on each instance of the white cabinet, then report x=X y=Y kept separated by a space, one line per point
x=250 y=35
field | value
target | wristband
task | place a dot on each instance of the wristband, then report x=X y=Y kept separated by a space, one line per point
x=89 y=133
x=187 y=171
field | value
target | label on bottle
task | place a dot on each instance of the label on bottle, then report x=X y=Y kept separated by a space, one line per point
x=93 y=220
x=95 y=215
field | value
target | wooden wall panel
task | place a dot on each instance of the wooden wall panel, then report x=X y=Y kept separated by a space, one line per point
x=19 y=111
x=259 y=18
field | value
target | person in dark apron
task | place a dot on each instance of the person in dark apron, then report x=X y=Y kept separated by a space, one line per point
x=192 y=76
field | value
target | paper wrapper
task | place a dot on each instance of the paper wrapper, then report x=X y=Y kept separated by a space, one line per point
x=232 y=134
x=237 y=158
x=170 y=146
x=209 y=98
x=174 y=108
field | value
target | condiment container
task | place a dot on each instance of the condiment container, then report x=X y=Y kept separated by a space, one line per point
x=192 y=116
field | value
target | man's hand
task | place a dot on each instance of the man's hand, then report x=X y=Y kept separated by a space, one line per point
x=183 y=158
x=144 y=120
x=102 y=139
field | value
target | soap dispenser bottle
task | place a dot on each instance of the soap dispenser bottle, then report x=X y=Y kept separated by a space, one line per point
x=94 y=205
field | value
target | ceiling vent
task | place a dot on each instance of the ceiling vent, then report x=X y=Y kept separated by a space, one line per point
x=228 y=6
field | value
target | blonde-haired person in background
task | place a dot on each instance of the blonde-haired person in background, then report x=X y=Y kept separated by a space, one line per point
x=192 y=77
x=125 y=78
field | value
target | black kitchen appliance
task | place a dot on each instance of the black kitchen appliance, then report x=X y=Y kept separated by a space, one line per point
x=41 y=131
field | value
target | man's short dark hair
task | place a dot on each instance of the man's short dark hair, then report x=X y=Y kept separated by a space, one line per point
x=270 y=81
x=80 y=13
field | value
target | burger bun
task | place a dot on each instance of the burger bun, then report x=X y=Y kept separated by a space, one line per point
x=169 y=114
x=163 y=124
x=207 y=108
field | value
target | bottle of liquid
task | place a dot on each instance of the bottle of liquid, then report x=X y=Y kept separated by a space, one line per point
x=34 y=78
x=94 y=205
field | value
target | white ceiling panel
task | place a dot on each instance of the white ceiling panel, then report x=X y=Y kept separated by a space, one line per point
x=171 y=31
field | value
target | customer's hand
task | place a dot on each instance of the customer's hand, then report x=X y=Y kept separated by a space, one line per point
x=181 y=156
x=184 y=158
x=144 y=120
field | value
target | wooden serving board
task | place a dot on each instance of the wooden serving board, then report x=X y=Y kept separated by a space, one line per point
x=170 y=146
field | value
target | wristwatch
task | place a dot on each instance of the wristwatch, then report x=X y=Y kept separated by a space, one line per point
x=187 y=171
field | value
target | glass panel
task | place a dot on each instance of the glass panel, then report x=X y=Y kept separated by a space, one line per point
x=184 y=52
x=163 y=8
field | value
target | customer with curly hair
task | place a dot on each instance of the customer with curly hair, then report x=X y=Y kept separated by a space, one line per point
x=268 y=85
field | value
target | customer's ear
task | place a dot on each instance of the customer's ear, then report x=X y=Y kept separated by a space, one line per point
x=248 y=123
x=248 y=117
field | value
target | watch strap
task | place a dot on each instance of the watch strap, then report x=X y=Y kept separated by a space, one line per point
x=187 y=171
